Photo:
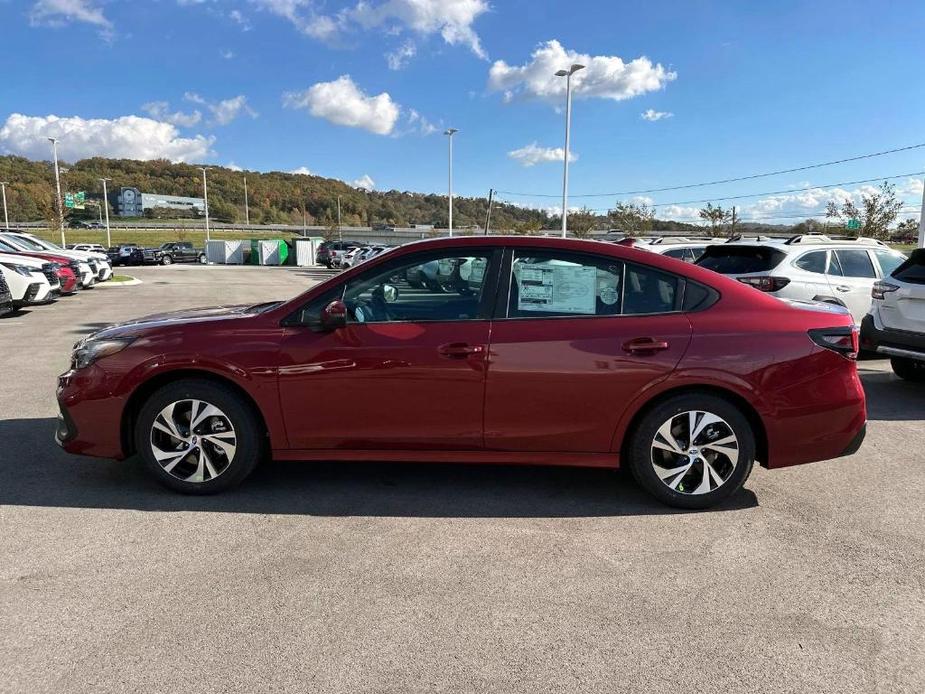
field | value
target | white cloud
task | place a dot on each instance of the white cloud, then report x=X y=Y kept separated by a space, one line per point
x=398 y=58
x=604 y=77
x=364 y=182
x=160 y=110
x=240 y=19
x=234 y=167
x=342 y=102
x=61 y=12
x=452 y=19
x=227 y=55
x=653 y=115
x=533 y=154
x=420 y=124
x=302 y=171
x=128 y=137
x=224 y=111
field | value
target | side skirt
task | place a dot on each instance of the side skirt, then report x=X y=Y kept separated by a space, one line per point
x=604 y=460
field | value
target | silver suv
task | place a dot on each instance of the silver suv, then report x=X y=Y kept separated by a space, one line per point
x=809 y=267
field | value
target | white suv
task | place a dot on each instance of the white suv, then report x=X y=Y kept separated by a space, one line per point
x=810 y=267
x=688 y=250
x=30 y=280
x=895 y=325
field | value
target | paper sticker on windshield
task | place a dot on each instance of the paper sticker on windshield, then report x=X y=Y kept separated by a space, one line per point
x=557 y=289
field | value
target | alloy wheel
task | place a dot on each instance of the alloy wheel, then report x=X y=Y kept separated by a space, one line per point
x=694 y=452
x=193 y=440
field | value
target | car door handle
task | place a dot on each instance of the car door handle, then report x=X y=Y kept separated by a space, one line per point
x=842 y=288
x=459 y=350
x=641 y=345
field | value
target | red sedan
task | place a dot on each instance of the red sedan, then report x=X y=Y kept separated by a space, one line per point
x=525 y=350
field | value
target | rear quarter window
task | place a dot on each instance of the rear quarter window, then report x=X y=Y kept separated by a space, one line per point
x=913 y=269
x=740 y=260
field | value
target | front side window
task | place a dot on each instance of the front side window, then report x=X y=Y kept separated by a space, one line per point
x=436 y=287
x=854 y=263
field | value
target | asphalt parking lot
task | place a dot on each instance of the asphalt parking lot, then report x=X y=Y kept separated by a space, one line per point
x=424 y=578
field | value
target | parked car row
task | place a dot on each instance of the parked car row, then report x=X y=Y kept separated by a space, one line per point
x=34 y=271
x=165 y=254
x=347 y=254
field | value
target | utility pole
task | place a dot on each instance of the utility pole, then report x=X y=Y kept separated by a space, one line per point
x=205 y=199
x=732 y=231
x=6 y=217
x=922 y=222
x=491 y=192
x=106 y=205
x=567 y=74
x=340 y=236
x=247 y=213
x=54 y=149
x=449 y=133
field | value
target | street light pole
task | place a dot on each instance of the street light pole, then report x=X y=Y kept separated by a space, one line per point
x=106 y=205
x=567 y=74
x=6 y=217
x=54 y=149
x=339 y=233
x=205 y=198
x=247 y=214
x=922 y=222
x=449 y=133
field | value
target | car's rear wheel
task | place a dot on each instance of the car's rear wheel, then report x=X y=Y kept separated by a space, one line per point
x=198 y=437
x=908 y=369
x=692 y=450
x=202 y=259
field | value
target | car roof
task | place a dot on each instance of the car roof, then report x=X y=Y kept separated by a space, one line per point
x=805 y=242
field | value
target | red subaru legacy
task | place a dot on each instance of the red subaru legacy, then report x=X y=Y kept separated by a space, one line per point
x=518 y=350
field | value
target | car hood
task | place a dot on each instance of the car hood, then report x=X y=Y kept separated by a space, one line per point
x=137 y=326
x=26 y=260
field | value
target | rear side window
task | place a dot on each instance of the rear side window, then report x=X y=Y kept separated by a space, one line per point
x=912 y=270
x=855 y=263
x=649 y=291
x=738 y=260
x=681 y=254
x=889 y=261
x=812 y=262
x=548 y=284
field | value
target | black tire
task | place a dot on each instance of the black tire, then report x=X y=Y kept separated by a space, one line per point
x=250 y=438
x=908 y=369
x=639 y=451
x=166 y=260
x=202 y=259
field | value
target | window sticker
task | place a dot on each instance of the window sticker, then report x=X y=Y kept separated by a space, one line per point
x=557 y=289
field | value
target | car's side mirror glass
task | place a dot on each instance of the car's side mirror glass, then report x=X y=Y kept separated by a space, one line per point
x=390 y=293
x=334 y=315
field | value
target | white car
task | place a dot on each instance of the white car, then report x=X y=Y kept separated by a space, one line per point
x=89 y=248
x=350 y=258
x=688 y=250
x=895 y=325
x=30 y=280
x=97 y=263
x=810 y=267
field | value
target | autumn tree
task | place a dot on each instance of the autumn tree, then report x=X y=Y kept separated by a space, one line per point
x=631 y=218
x=716 y=216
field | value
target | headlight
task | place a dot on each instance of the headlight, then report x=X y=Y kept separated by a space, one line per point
x=90 y=351
x=19 y=269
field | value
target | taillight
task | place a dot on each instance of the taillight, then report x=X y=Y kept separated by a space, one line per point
x=881 y=289
x=843 y=340
x=764 y=283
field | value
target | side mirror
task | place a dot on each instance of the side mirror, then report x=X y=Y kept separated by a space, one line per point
x=334 y=315
x=390 y=293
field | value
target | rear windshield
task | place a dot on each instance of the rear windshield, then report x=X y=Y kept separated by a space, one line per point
x=736 y=260
x=913 y=270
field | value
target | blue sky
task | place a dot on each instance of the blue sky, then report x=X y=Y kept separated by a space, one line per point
x=363 y=90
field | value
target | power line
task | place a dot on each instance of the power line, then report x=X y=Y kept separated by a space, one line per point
x=725 y=180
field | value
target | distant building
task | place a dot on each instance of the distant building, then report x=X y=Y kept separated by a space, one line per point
x=131 y=202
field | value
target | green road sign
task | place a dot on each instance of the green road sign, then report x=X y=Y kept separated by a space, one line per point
x=853 y=224
x=75 y=201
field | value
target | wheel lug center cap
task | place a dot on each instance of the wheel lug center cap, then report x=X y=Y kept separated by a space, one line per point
x=194 y=440
x=693 y=451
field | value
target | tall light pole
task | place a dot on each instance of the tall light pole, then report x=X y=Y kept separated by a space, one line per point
x=247 y=213
x=6 y=217
x=205 y=198
x=339 y=233
x=449 y=133
x=922 y=222
x=567 y=74
x=54 y=149
x=106 y=205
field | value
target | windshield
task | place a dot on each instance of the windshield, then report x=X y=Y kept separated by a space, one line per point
x=736 y=260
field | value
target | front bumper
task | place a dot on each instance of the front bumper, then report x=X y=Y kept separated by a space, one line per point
x=90 y=419
x=894 y=343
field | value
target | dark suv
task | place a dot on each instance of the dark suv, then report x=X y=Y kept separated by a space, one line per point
x=174 y=252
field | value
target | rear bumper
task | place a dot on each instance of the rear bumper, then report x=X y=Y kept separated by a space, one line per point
x=894 y=343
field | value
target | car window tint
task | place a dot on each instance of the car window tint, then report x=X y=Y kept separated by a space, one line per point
x=680 y=253
x=855 y=263
x=648 y=290
x=439 y=287
x=736 y=259
x=549 y=284
x=889 y=261
x=812 y=262
x=913 y=269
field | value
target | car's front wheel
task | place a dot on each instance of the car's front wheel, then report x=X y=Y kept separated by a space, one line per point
x=166 y=260
x=198 y=437
x=692 y=450
x=908 y=369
